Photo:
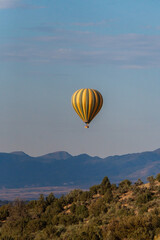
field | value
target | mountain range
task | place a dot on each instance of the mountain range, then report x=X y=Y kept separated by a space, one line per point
x=62 y=169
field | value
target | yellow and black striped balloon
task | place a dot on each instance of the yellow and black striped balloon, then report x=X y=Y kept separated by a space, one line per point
x=87 y=103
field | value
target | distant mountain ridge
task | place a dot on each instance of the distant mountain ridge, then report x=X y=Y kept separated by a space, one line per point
x=60 y=155
x=62 y=169
x=20 y=153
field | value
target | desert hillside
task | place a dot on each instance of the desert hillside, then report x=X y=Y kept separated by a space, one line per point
x=107 y=211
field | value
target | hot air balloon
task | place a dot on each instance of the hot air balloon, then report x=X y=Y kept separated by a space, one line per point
x=87 y=103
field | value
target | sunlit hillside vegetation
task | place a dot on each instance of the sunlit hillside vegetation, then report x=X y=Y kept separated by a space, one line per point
x=124 y=212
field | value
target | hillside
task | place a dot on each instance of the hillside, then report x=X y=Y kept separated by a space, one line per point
x=62 y=169
x=105 y=212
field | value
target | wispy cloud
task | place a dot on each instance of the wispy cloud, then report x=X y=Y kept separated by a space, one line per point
x=50 y=27
x=126 y=51
x=8 y=3
x=5 y=4
x=30 y=6
x=89 y=24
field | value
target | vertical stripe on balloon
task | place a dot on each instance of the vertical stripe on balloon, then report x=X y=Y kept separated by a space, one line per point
x=87 y=103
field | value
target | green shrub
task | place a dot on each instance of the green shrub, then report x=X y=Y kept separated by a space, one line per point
x=105 y=185
x=4 y=212
x=108 y=196
x=98 y=207
x=138 y=182
x=158 y=177
x=144 y=197
x=94 y=189
x=124 y=186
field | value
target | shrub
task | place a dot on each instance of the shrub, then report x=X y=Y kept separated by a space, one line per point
x=158 y=177
x=105 y=185
x=98 y=207
x=50 y=199
x=151 y=181
x=124 y=186
x=108 y=196
x=94 y=189
x=86 y=195
x=67 y=220
x=4 y=212
x=73 y=196
x=82 y=211
x=138 y=182
x=144 y=197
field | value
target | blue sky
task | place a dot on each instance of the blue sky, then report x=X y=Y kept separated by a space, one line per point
x=49 y=49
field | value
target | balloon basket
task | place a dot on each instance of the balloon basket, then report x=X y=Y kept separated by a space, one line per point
x=86 y=126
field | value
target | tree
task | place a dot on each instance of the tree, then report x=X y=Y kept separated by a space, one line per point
x=138 y=182
x=94 y=189
x=4 y=212
x=50 y=199
x=98 y=207
x=151 y=181
x=81 y=211
x=124 y=185
x=108 y=196
x=73 y=196
x=17 y=220
x=144 y=197
x=41 y=204
x=158 y=177
x=105 y=185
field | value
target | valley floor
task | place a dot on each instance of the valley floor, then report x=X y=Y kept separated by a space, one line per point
x=30 y=193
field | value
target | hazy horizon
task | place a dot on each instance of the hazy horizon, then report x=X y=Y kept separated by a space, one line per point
x=81 y=153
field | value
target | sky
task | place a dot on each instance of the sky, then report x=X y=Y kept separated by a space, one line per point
x=50 y=48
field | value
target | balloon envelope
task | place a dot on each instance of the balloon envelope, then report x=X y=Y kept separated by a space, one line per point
x=87 y=103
